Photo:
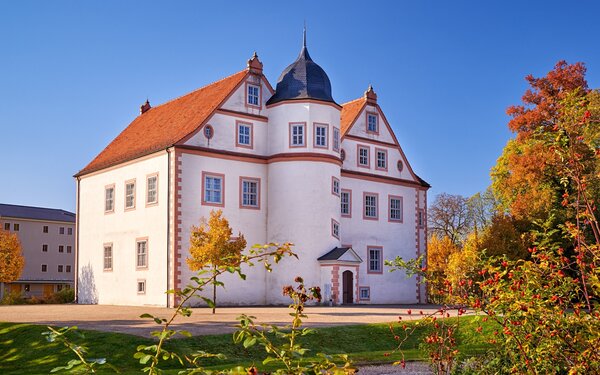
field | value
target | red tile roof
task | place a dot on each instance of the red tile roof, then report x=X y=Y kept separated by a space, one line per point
x=163 y=126
x=350 y=112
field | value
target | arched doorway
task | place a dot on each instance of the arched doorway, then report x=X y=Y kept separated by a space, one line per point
x=347 y=292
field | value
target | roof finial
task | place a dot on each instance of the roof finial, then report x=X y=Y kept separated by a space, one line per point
x=304 y=35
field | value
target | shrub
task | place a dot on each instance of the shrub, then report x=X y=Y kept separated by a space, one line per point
x=64 y=296
x=13 y=298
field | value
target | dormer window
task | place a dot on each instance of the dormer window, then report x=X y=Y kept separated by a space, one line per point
x=372 y=123
x=253 y=96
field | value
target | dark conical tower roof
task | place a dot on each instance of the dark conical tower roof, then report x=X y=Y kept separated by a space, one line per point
x=303 y=79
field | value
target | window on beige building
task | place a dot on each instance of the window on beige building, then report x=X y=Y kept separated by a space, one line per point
x=130 y=195
x=142 y=254
x=152 y=189
x=109 y=198
x=108 y=261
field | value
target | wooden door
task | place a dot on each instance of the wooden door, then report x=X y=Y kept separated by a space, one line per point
x=48 y=290
x=347 y=292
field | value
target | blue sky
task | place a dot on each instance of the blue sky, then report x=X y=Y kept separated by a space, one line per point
x=74 y=73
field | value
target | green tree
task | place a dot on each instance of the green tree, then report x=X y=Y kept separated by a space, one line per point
x=212 y=245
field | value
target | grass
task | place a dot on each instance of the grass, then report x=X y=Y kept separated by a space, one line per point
x=23 y=349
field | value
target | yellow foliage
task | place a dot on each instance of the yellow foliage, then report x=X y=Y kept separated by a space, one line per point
x=11 y=258
x=463 y=264
x=439 y=251
x=211 y=244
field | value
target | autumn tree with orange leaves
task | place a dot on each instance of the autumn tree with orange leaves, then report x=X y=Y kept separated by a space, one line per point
x=525 y=179
x=11 y=258
x=212 y=245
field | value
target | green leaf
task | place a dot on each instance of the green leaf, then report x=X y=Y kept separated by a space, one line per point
x=250 y=341
x=146 y=315
x=185 y=333
x=145 y=359
x=209 y=302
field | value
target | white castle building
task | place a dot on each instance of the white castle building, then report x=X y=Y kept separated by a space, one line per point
x=285 y=165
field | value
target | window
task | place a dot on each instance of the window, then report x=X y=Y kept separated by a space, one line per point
x=400 y=165
x=343 y=155
x=108 y=257
x=253 y=95
x=395 y=208
x=381 y=159
x=370 y=210
x=61 y=230
x=335 y=229
x=61 y=248
x=16 y=227
x=59 y=287
x=244 y=135
x=363 y=156
x=27 y=287
x=420 y=218
x=372 y=123
x=336 y=139
x=60 y=268
x=45 y=229
x=364 y=293
x=321 y=135
x=335 y=186
x=213 y=187
x=375 y=259
x=130 y=195
x=109 y=198
x=297 y=134
x=152 y=189
x=68 y=269
x=249 y=192
x=142 y=254
x=208 y=131
x=70 y=231
x=6 y=226
x=345 y=198
x=45 y=248
x=141 y=287
x=44 y=268
x=68 y=249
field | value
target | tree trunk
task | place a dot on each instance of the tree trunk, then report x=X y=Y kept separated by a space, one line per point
x=214 y=291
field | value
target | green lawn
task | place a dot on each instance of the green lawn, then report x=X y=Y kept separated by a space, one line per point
x=23 y=349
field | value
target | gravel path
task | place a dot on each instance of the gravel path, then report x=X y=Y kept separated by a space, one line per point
x=125 y=319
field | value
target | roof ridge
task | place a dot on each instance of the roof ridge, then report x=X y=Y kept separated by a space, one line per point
x=198 y=89
x=38 y=207
x=351 y=101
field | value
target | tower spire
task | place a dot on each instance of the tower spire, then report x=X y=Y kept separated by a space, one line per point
x=304 y=35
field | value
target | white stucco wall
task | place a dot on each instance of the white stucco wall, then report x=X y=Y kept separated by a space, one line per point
x=224 y=137
x=122 y=228
x=360 y=126
x=397 y=239
x=281 y=115
x=250 y=222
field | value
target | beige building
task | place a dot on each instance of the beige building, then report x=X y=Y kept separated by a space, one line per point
x=47 y=238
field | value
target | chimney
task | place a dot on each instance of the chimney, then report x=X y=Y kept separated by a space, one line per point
x=145 y=107
x=371 y=96
x=254 y=65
